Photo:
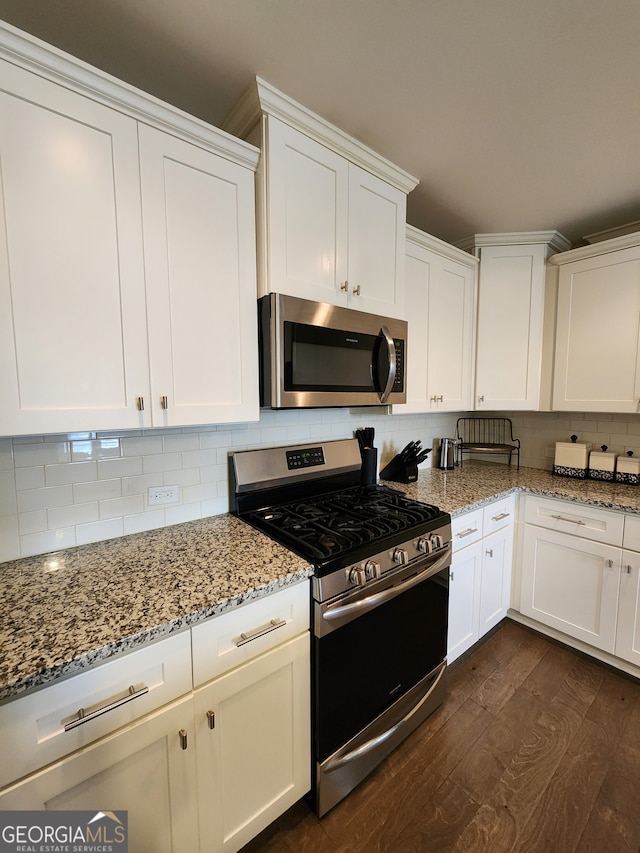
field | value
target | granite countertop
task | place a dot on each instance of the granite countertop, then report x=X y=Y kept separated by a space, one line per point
x=64 y=611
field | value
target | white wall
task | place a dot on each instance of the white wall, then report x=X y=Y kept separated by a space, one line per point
x=58 y=491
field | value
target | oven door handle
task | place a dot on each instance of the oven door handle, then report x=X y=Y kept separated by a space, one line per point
x=371 y=601
x=368 y=746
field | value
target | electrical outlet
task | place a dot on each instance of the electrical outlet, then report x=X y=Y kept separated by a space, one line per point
x=163 y=495
x=550 y=452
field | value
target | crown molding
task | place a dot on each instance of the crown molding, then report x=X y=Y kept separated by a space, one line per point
x=46 y=61
x=261 y=98
x=434 y=244
x=627 y=241
x=553 y=239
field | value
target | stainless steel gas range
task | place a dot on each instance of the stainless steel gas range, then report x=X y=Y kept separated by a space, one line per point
x=379 y=599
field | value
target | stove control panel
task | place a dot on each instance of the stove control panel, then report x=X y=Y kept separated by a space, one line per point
x=307 y=457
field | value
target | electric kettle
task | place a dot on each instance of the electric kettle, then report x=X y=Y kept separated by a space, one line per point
x=447 y=454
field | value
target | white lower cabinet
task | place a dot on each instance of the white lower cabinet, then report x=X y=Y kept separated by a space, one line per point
x=252 y=740
x=147 y=769
x=480 y=577
x=123 y=735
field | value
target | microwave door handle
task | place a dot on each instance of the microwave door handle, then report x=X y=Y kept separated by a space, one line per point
x=391 y=353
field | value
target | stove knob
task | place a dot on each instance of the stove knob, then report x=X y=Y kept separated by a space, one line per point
x=372 y=569
x=437 y=540
x=425 y=545
x=357 y=575
x=401 y=556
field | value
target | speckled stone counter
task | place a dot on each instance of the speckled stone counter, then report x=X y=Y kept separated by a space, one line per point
x=476 y=484
x=67 y=610
x=64 y=611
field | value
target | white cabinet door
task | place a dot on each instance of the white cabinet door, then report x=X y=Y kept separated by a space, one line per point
x=199 y=250
x=72 y=304
x=307 y=204
x=628 y=633
x=464 y=600
x=495 y=586
x=253 y=747
x=439 y=295
x=597 y=361
x=571 y=584
x=511 y=295
x=142 y=769
x=377 y=216
x=450 y=337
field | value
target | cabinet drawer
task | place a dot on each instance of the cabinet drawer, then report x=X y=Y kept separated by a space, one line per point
x=33 y=726
x=226 y=641
x=631 y=538
x=589 y=522
x=466 y=529
x=499 y=514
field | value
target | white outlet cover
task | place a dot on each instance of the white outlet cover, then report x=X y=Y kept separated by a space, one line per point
x=163 y=495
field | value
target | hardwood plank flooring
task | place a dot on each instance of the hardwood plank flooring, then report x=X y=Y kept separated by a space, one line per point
x=536 y=749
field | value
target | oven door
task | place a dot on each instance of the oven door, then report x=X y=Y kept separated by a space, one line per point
x=379 y=659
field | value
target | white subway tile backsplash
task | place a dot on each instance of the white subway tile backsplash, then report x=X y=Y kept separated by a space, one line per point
x=68 y=516
x=96 y=531
x=128 y=466
x=45 y=453
x=61 y=490
x=51 y=540
x=30 y=499
x=30 y=478
x=116 y=507
x=9 y=538
x=73 y=472
x=97 y=491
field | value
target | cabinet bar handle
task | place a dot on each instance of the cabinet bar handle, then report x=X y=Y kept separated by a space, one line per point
x=481 y=398
x=271 y=625
x=568 y=520
x=489 y=552
x=84 y=717
x=500 y=516
x=609 y=564
x=140 y=404
x=356 y=290
x=344 y=286
x=628 y=569
x=163 y=403
x=211 y=719
x=467 y=532
x=183 y=738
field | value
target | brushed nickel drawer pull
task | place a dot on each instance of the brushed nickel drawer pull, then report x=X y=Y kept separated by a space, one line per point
x=84 y=717
x=163 y=403
x=568 y=520
x=140 y=404
x=183 y=738
x=211 y=719
x=271 y=625
x=467 y=532
x=500 y=516
x=489 y=552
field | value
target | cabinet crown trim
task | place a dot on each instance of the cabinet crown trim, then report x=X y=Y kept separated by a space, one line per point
x=47 y=61
x=553 y=239
x=434 y=244
x=628 y=241
x=261 y=98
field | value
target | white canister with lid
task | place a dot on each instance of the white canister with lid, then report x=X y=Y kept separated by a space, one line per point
x=602 y=464
x=628 y=469
x=572 y=458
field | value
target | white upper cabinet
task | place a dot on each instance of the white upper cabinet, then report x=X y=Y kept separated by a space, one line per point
x=440 y=289
x=96 y=227
x=597 y=366
x=514 y=320
x=199 y=252
x=72 y=303
x=331 y=212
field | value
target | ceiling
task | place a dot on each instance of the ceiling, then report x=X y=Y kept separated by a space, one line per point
x=515 y=115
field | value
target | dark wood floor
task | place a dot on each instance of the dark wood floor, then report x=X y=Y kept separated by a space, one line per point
x=536 y=749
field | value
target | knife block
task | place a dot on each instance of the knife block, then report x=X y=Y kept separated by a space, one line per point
x=399 y=471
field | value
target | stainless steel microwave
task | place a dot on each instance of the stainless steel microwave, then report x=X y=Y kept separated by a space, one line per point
x=315 y=354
